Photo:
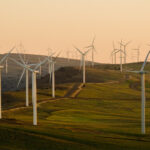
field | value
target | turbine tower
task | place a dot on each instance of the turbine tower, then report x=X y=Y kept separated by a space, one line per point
x=143 y=99
x=83 y=61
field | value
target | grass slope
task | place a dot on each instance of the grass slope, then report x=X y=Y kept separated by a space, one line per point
x=105 y=115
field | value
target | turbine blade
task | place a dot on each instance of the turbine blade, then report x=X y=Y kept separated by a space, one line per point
x=128 y=43
x=143 y=66
x=32 y=64
x=89 y=46
x=50 y=56
x=22 y=65
x=134 y=71
x=87 y=51
x=116 y=51
x=21 y=58
x=78 y=50
x=21 y=77
x=3 y=59
x=41 y=63
x=57 y=56
x=93 y=40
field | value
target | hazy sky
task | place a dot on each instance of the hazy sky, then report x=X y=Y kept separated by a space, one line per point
x=59 y=24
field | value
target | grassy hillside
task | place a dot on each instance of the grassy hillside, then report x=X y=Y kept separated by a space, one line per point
x=105 y=114
x=74 y=74
x=96 y=123
x=17 y=98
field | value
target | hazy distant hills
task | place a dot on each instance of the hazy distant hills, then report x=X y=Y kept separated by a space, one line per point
x=9 y=81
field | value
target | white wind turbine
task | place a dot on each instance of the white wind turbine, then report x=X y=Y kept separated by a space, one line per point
x=113 y=54
x=83 y=54
x=1 y=67
x=142 y=73
x=26 y=72
x=138 y=53
x=50 y=54
x=93 y=50
x=121 y=52
x=34 y=86
x=124 y=49
x=121 y=56
x=52 y=72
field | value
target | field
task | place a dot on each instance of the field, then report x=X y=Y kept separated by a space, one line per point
x=103 y=116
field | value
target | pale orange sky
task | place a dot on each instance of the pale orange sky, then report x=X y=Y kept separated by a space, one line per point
x=58 y=24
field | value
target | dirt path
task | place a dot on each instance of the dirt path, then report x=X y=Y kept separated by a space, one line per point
x=74 y=90
x=71 y=93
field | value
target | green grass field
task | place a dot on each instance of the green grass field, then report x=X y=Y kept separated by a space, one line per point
x=103 y=116
x=16 y=99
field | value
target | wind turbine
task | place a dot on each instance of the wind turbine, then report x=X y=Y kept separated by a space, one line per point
x=113 y=54
x=52 y=64
x=121 y=51
x=50 y=72
x=125 y=46
x=83 y=61
x=93 y=50
x=25 y=71
x=142 y=73
x=34 y=86
x=138 y=53
x=1 y=67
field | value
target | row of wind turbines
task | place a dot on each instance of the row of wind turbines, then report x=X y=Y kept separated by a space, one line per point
x=122 y=52
x=36 y=69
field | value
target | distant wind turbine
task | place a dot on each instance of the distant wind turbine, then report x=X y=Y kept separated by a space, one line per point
x=138 y=53
x=113 y=54
x=93 y=50
x=121 y=56
x=124 y=49
x=83 y=61
x=121 y=52
x=52 y=63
